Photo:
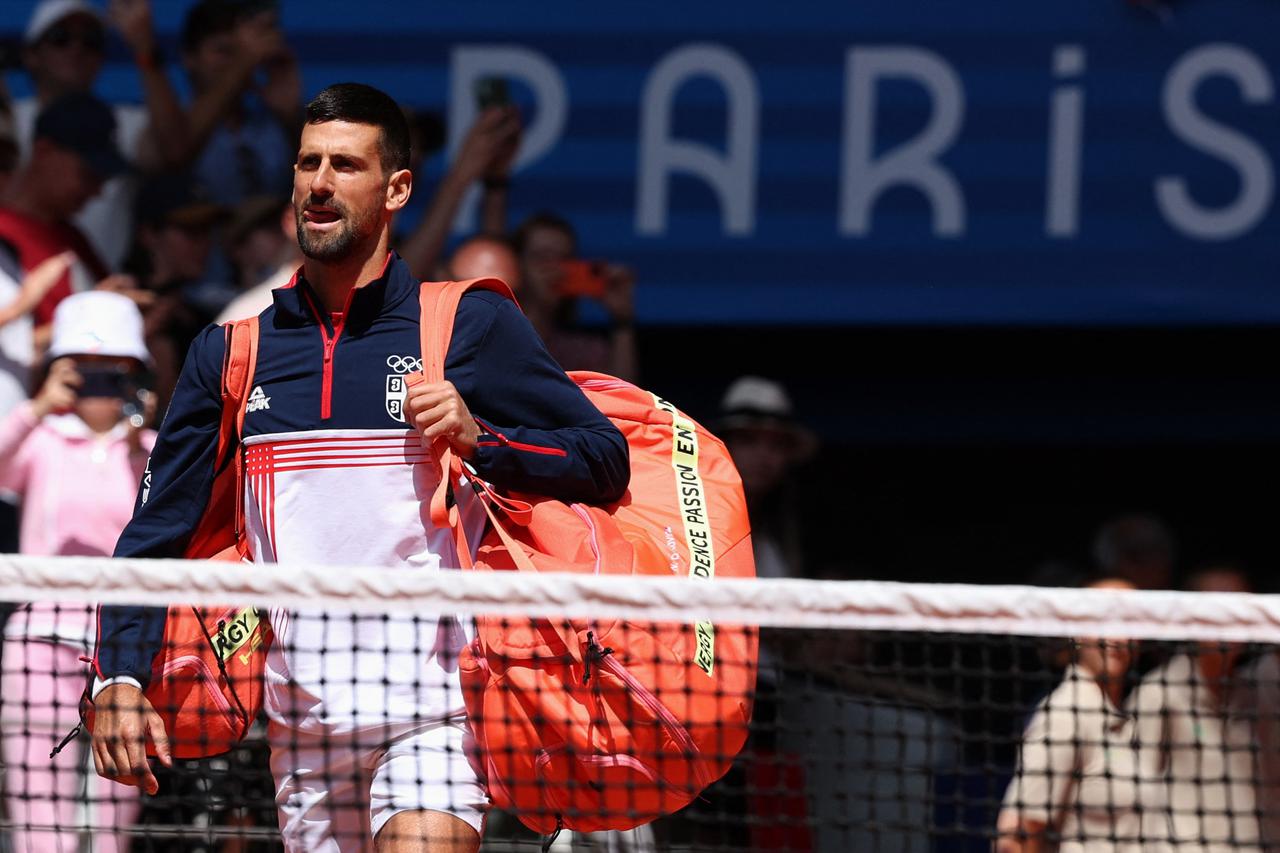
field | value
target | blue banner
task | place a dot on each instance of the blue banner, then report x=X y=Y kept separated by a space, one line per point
x=908 y=162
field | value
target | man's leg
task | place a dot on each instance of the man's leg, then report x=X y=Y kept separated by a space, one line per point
x=427 y=832
x=425 y=797
x=321 y=792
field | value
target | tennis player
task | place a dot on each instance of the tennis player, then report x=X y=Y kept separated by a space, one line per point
x=367 y=730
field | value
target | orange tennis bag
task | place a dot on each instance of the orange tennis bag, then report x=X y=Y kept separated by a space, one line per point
x=606 y=724
x=207 y=680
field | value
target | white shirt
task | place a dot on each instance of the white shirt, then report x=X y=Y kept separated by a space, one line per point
x=1197 y=764
x=1077 y=770
x=106 y=220
x=258 y=298
x=352 y=498
x=1259 y=699
x=16 y=346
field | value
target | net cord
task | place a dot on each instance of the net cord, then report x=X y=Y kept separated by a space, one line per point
x=847 y=605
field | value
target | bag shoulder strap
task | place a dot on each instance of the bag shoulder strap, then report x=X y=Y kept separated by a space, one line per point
x=439 y=301
x=238 y=368
x=439 y=308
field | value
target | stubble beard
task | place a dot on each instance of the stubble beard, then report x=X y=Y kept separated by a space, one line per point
x=329 y=247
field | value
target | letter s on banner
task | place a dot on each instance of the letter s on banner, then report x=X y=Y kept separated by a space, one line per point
x=732 y=176
x=469 y=63
x=1249 y=159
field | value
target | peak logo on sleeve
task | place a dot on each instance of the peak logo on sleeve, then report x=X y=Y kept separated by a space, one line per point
x=257 y=401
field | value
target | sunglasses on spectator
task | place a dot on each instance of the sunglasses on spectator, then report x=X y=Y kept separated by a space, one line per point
x=61 y=35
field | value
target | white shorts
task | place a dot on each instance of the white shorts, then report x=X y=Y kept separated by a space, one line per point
x=335 y=793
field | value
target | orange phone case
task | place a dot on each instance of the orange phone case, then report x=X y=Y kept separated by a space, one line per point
x=582 y=278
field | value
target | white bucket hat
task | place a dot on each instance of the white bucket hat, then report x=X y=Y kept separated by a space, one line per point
x=98 y=322
x=755 y=403
x=49 y=12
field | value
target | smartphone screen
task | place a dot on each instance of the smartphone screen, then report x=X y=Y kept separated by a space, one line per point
x=492 y=92
x=103 y=382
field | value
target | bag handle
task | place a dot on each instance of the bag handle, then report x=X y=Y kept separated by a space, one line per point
x=237 y=376
x=439 y=307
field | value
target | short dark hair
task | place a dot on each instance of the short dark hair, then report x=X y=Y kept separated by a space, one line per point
x=361 y=104
x=207 y=19
x=544 y=219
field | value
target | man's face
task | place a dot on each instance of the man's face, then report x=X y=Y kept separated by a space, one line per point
x=68 y=57
x=67 y=182
x=340 y=193
x=184 y=248
x=763 y=458
x=545 y=251
x=211 y=59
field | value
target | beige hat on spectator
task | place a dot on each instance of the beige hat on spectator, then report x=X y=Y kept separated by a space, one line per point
x=49 y=12
x=755 y=403
x=98 y=322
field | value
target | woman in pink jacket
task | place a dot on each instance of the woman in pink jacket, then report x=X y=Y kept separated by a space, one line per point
x=74 y=455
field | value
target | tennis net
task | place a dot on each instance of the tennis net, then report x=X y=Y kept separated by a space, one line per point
x=767 y=715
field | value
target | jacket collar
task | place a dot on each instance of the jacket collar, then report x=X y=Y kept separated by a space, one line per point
x=384 y=294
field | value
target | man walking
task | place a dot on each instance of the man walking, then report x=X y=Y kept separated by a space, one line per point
x=366 y=719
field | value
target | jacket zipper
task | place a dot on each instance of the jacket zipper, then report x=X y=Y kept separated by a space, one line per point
x=330 y=343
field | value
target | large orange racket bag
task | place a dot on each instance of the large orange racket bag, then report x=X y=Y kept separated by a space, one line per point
x=607 y=724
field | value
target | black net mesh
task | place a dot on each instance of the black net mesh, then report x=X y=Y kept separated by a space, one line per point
x=399 y=725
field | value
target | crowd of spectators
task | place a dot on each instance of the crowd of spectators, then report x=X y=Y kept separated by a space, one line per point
x=184 y=208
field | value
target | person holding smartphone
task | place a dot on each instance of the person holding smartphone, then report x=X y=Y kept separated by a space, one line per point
x=555 y=284
x=485 y=155
x=75 y=455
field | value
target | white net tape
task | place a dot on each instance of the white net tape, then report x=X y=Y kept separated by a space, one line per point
x=848 y=605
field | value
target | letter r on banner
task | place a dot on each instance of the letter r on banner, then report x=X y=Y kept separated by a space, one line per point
x=864 y=176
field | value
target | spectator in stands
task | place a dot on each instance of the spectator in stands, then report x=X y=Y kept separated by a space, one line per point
x=768 y=443
x=482 y=256
x=1257 y=699
x=19 y=296
x=74 y=431
x=8 y=142
x=1196 y=742
x=1139 y=547
x=176 y=223
x=264 y=247
x=485 y=155
x=1075 y=787
x=64 y=45
x=243 y=131
x=73 y=154
x=555 y=285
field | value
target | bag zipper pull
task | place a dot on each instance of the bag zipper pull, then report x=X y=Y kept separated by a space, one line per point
x=71 y=735
x=594 y=654
x=551 y=839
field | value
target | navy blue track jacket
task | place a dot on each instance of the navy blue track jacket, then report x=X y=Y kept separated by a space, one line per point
x=316 y=372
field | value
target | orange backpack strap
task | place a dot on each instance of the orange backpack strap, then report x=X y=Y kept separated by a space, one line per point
x=439 y=303
x=238 y=368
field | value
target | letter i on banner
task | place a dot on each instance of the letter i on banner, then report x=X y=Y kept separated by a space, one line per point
x=693 y=512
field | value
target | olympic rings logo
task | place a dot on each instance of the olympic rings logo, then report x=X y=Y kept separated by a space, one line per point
x=404 y=363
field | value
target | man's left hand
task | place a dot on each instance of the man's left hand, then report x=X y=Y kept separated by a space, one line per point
x=436 y=410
